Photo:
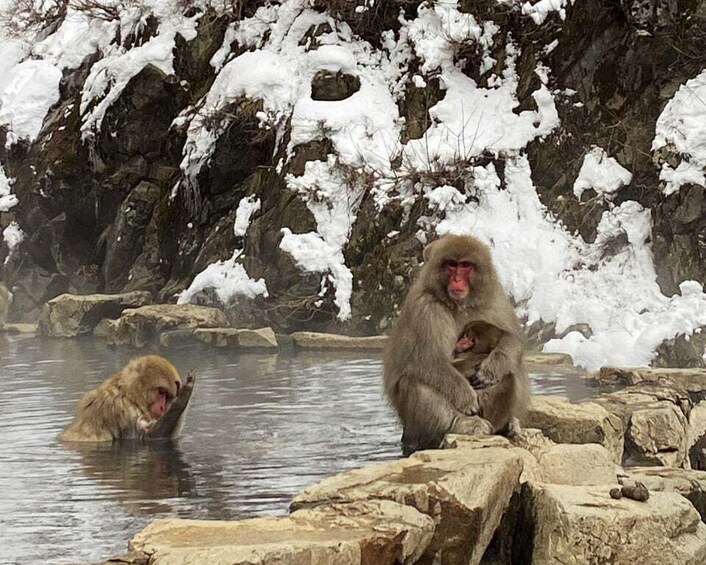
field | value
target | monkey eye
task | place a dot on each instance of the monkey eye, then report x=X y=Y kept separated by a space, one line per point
x=452 y=264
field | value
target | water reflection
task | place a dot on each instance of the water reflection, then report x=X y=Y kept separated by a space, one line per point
x=260 y=428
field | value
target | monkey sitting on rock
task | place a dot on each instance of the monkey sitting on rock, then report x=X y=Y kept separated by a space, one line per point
x=145 y=400
x=456 y=285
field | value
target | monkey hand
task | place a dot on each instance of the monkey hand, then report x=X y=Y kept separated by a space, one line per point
x=490 y=371
x=170 y=423
x=467 y=403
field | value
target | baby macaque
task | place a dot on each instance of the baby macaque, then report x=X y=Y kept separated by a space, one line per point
x=503 y=402
x=145 y=400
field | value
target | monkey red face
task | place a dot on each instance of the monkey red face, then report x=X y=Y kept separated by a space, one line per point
x=159 y=405
x=459 y=275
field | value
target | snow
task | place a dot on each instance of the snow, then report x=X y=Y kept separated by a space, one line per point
x=682 y=128
x=333 y=201
x=109 y=76
x=32 y=87
x=553 y=276
x=228 y=279
x=12 y=235
x=539 y=11
x=7 y=199
x=602 y=174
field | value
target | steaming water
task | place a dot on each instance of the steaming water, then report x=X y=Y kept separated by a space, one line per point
x=260 y=428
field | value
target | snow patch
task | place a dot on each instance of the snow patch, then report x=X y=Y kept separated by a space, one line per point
x=7 y=199
x=681 y=127
x=602 y=174
x=12 y=235
x=229 y=279
x=32 y=87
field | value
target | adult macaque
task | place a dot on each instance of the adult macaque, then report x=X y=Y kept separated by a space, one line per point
x=457 y=285
x=503 y=403
x=145 y=400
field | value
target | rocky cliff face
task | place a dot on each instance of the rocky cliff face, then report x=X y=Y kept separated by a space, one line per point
x=119 y=210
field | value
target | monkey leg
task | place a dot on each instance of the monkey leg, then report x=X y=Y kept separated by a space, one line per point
x=471 y=425
x=498 y=405
x=427 y=417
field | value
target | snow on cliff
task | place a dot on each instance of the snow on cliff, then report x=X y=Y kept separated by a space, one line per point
x=552 y=275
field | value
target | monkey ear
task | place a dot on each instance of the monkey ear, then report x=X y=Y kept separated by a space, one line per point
x=426 y=254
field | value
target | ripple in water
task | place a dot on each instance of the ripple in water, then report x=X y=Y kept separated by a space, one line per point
x=260 y=428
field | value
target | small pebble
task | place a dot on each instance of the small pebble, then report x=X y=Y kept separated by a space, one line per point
x=638 y=491
x=616 y=493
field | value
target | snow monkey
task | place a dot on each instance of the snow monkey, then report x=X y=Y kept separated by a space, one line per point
x=504 y=402
x=145 y=400
x=456 y=285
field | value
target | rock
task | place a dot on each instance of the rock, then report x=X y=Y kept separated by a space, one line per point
x=696 y=434
x=464 y=491
x=127 y=236
x=587 y=422
x=533 y=440
x=578 y=464
x=105 y=329
x=333 y=86
x=140 y=326
x=70 y=315
x=5 y=299
x=691 y=380
x=243 y=339
x=22 y=329
x=378 y=531
x=580 y=525
x=263 y=338
x=531 y=470
x=549 y=359
x=655 y=419
x=314 y=340
x=688 y=482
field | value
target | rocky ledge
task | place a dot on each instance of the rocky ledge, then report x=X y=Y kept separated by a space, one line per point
x=574 y=488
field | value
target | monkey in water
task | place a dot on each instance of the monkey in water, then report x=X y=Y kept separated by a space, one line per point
x=145 y=400
x=503 y=403
x=456 y=285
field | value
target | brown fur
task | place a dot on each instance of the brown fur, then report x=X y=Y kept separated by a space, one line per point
x=431 y=396
x=504 y=403
x=120 y=407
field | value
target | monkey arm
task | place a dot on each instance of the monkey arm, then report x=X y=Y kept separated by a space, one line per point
x=170 y=423
x=503 y=360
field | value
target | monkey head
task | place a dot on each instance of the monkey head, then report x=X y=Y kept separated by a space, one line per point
x=459 y=268
x=152 y=383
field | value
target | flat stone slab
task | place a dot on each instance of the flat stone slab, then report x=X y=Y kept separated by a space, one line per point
x=586 y=422
x=549 y=359
x=583 y=525
x=262 y=338
x=314 y=340
x=655 y=417
x=19 y=329
x=465 y=491
x=692 y=380
x=688 y=482
x=69 y=315
x=375 y=532
x=140 y=326
x=578 y=464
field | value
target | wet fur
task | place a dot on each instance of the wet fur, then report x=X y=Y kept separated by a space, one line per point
x=119 y=408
